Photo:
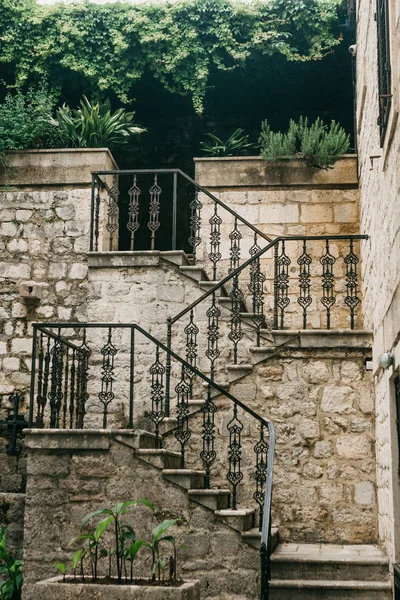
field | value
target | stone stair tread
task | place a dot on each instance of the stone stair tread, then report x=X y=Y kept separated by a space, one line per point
x=215 y=492
x=255 y=532
x=335 y=553
x=239 y=512
x=195 y=269
x=157 y=452
x=330 y=584
x=262 y=349
x=183 y=472
x=243 y=367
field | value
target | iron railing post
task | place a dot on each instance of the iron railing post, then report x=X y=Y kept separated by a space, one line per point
x=33 y=367
x=168 y=367
x=276 y=251
x=174 y=209
x=92 y=215
x=132 y=379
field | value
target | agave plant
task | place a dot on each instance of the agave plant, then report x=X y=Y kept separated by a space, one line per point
x=95 y=126
x=236 y=144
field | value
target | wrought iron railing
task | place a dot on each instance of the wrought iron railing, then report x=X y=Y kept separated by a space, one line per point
x=324 y=275
x=384 y=66
x=86 y=375
x=150 y=207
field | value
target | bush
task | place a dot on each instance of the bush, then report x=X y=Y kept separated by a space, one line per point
x=319 y=145
x=237 y=144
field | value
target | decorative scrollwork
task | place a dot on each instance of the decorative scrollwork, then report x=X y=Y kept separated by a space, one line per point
x=133 y=211
x=215 y=240
x=208 y=454
x=236 y=333
x=106 y=395
x=56 y=395
x=281 y=282
x=112 y=213
x=351 y=300
x=235 y=236
x=96 y=216
x=72 y=390
x=261 y=450
x=191 y=331
x=154 y=209
x=182 y=432
x=328 y=283
x=256 y=287
x=43 y=379
x=235 y=475
x=195 y=223
x=157 y=414
x=81 y=381
x=304 y=262
x=212 y=352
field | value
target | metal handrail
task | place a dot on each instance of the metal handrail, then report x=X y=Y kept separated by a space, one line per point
x=97 y=175
x=252 y=259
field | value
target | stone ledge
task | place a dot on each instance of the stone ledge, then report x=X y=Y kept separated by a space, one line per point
x=79 y=439
x=61 y=166
x=328 y=338
x=142 y=258
x=253 y=171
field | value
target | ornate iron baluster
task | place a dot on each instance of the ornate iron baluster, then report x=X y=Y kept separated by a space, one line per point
x=212 y=352
x=133 y=212
x=304 y=262
x=106 y=395
x=236 y=333
x=195 y=224
x=256 y=286
x=182 y=432
x=328 y=283
x=157 y=414
x=281 y=283
x=154 y=209
x=215 y=240
x=208 y=453
x=55 y=395
x=82 y=378
x=260 y=475
x=235 y=236
x=235 y=475
x=191 y=331
x=113 y=213
x=72 y=391
x=41 y=397
x=97 y=217
x=66 y=379
x=351 y=300
x=15 y=423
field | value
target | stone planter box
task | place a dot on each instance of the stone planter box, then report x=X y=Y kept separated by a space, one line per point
x=57 y=590
x=253 y=171
x=63 y=166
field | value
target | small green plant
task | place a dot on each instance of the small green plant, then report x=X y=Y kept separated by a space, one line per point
x=122 y=552
x=93 y=125
x=319 y=145
x=10 y=571
x=238 y=143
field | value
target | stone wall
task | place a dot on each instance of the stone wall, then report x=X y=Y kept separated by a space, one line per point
x=319 y=396
x=284 y=199
x=83 y=475
x=380 y=217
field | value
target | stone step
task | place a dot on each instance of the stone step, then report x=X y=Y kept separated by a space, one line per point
x=189 y=479
x=236 y=372
x=161 y=459
x=195 y=273
x=300 y=589
x=213 y=499
x=253 y=537
x=329 y=562
x=226 y=302
x=208 y=285
x=177 y=257
x=240 y=519
x=261 y=353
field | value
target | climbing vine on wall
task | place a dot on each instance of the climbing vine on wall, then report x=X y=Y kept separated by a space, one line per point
x=111 y=46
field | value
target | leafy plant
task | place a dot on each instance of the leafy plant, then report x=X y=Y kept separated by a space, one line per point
x=319 y=145
x=236 y=144
x=157 y=536
x=95 y=126
x=11 y=569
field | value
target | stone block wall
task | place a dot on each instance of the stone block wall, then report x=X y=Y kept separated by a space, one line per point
x=380 y=217
x=81 y=476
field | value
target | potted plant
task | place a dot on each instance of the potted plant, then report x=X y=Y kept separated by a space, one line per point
x=103 y=565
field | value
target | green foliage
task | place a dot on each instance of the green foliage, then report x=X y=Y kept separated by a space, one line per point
x=24 y=120
x=157 y=536
x=109 y=47
x=319 y=145
x=11 y=571
x=95 y=126
x=237 y=144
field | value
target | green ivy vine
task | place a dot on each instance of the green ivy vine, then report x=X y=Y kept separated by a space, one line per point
x=111 y=46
